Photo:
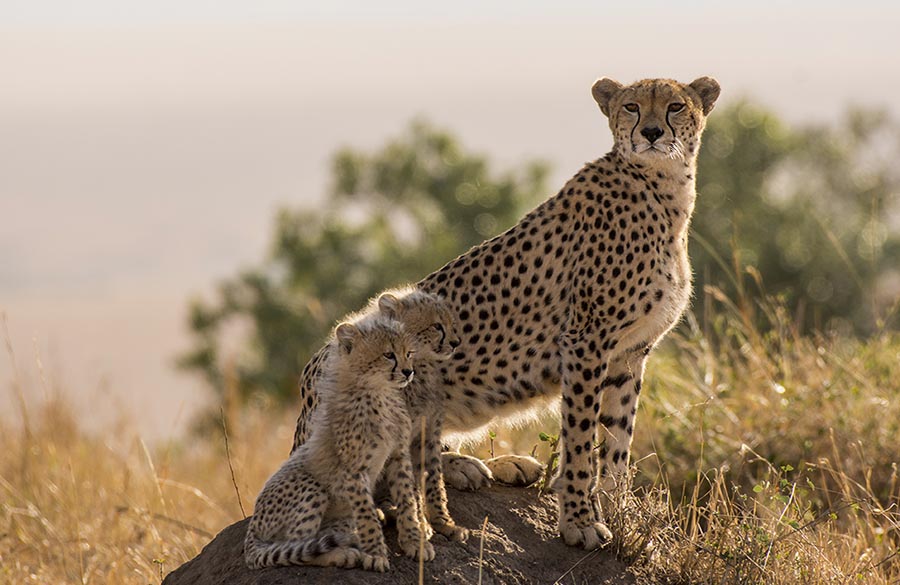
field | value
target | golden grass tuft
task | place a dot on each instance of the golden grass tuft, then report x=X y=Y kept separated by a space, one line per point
x=776 y=534
x=80 y=508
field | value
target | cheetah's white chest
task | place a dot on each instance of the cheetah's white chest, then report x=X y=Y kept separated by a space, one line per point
x=667 y=301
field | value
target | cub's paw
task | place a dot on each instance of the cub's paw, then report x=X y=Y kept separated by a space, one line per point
x=517 y=470
x=345 y=558
x=412 y=549
x=465 y=473
x=594 y=535
x=452 y=532
x=375 y=563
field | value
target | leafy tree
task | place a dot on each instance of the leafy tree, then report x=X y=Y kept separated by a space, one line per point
x=391 y=217
x=810 y=209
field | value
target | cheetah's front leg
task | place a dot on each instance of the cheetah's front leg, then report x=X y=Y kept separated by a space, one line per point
x=618 y=406
x=411 y=525
x=583 y=372
x=435 y=495
x=357 y=492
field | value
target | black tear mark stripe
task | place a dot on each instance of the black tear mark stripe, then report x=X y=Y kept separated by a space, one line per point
x=634 y=127
x=669 y=124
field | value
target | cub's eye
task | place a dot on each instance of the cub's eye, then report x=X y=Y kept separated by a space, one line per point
x=439 y=327
x=390 y=355
x=633 y=108
x=676 y=107
x=409 y=354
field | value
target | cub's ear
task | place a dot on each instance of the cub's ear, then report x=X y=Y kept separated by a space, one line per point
x=603 y=91
x=346 y=334
x=708 y=89
x=389 y=305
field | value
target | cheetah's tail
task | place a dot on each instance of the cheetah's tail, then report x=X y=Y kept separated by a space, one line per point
x=260 y=553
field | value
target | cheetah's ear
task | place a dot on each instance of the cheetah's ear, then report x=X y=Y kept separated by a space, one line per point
x=388 y=305
x=708 y=89
x=346 y=334
x=603 y=91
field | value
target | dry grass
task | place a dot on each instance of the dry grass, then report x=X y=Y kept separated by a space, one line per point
x=77 y=508
x=776 y=534
x=762 y=457
x=770 y=457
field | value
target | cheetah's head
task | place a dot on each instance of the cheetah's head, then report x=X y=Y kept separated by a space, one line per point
x=377 y=352
x=428 y=319
x=655 y=121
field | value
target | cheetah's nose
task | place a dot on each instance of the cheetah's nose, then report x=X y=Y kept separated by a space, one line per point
x=454 y=343
x=651 y=133
x=407 y=372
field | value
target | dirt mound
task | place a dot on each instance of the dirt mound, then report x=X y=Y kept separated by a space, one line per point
x=520 y=546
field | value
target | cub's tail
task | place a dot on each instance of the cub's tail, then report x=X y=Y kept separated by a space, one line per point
x=259 y=553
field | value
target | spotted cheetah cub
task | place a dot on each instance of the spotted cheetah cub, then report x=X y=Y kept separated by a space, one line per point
x=430 y=322
x=301 y=515
x=429 y=316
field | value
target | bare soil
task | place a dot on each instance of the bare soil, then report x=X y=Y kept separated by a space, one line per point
x=520 y=546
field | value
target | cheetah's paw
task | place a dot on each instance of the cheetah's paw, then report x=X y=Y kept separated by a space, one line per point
x=465 y=473
x=375 y=563
x=346 y=558
x=594 y=535
x=517 y=470
x=452 y=531
x=411 y=549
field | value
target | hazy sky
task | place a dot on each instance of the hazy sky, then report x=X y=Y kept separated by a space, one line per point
x=144 y=147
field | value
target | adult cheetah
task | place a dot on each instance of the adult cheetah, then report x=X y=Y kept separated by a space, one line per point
x=572 y=298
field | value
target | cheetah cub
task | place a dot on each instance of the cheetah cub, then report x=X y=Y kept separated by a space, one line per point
x=429 y=316
x=429 y=320
x=301 y=515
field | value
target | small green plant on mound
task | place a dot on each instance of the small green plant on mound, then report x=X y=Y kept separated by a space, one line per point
x=551 y=464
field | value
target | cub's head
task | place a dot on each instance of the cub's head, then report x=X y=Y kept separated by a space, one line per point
x=426 y=317
x=656 y=120
x=377 y=352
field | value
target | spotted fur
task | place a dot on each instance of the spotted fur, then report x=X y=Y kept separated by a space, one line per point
x=318 y=507
x=570 y=301
x=430 y=322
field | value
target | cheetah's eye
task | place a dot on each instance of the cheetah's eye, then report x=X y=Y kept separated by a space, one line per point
x=676 y=107
x=390 y=355
x=409 y=354
x=633 y=108
x=439 y=327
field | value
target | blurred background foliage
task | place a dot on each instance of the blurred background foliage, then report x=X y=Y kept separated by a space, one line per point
x=810 y=215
